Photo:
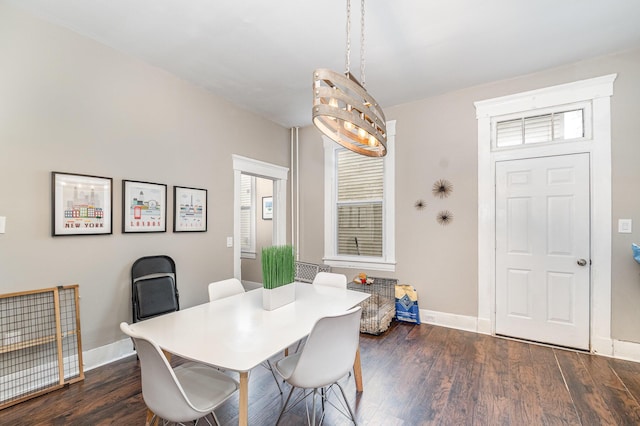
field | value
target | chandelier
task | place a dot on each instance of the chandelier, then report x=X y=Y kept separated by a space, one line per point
x=342 y=108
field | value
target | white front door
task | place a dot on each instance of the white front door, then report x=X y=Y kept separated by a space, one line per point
x=542 y=249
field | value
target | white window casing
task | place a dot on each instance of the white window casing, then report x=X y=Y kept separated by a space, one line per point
x=371 y=208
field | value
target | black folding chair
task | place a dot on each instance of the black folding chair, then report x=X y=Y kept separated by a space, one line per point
x=153 y=287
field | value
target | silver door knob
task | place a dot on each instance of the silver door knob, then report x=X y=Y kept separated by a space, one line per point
x=582 y=262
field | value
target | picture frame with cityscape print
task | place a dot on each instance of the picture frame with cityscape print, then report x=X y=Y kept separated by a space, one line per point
x=81 y=204
x=189 y=209
x=144 y=207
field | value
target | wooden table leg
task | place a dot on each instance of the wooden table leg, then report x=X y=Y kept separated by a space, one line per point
x=357 y=371
x=243 y=415
x=148 y=421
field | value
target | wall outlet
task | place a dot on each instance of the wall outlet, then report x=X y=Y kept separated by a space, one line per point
x=624 y=226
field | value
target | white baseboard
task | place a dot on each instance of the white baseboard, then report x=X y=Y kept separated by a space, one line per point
x=102 y=355
x=31 y=380
x=601 y=346
x=460 y=322
x=626 y=350
x=484 y=326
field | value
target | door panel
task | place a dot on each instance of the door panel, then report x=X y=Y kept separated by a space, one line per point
x=542 y=230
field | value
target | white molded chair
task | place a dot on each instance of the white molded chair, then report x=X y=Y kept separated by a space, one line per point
x=225 y=288
x=327 y=356
x=328 y=279
x=231 y=287
x=331 y=279
x=189 y=392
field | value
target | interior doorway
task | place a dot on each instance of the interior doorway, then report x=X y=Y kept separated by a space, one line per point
x=596 y=94
x=277 y=175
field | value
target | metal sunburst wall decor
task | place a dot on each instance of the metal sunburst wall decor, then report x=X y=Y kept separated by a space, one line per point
x=442 y=188
x=420 y=205
x=444 y=217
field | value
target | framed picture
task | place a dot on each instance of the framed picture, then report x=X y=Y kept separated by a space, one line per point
x=189 y=209
x=144 y=207
x=267 y=208
x=81 y=204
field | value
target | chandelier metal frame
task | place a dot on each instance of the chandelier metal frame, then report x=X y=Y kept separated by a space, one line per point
x=342 y=108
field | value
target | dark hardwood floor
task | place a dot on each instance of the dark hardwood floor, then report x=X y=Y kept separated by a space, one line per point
x=413 y=375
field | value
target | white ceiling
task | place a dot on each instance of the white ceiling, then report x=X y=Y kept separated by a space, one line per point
x=260 y=55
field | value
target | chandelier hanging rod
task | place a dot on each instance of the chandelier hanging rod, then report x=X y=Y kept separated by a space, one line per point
x=342 y=108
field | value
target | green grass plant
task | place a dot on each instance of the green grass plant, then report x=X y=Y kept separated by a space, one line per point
x=278 y=266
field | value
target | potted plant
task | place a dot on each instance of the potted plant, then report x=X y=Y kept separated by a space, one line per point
x=278 y=272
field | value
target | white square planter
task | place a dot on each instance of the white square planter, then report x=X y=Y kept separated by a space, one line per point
x=277 y=297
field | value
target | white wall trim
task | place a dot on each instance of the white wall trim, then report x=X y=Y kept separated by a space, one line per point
x=619 y=349
x=597 y=91
x=259 y=168
x=34 y=379
x=97 y=357
x=388 y=262
x=626 y=350
x=444 y=319
x=577 y=91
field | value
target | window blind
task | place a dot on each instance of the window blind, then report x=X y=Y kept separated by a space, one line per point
x=556 y=126
x=246 y=197
x=360 y=190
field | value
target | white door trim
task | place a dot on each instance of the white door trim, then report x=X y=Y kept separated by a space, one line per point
x=278 y=175
x=598 y=91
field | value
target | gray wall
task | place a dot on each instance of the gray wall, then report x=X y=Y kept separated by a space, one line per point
x=72 y=105
x=437 y=139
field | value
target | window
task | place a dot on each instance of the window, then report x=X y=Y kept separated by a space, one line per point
x=360 y=191
x=359 y=208
x=247 y=216
x=566 y=124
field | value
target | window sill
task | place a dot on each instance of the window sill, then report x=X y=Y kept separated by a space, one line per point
x=355 y=263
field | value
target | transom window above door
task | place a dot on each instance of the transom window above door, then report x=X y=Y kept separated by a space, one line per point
x=563 y=124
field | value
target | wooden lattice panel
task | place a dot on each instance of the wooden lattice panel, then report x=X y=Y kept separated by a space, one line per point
x=41 y=349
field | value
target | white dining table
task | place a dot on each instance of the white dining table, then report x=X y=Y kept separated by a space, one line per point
x=237 y=334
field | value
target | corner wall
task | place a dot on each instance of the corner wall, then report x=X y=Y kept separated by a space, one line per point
x=70 y=104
